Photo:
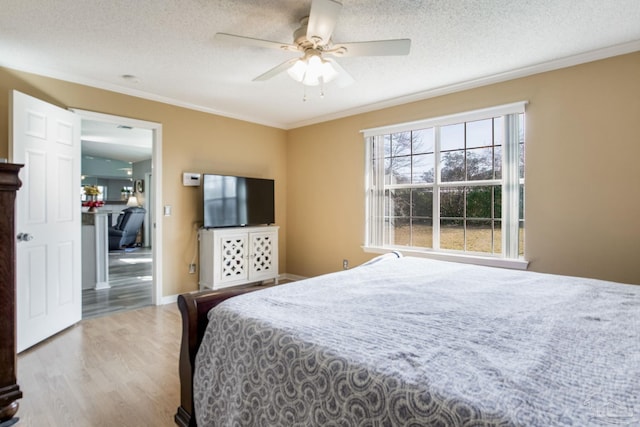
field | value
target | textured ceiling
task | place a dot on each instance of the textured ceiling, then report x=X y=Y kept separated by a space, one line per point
x=170 y=47
x=113 y=141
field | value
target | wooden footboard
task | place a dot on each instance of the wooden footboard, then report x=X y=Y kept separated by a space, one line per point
x=194 y=308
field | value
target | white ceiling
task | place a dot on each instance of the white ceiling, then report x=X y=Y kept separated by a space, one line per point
x=113 y=141
x=170 y=47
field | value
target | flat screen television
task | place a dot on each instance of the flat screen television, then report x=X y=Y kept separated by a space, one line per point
x=236 y=201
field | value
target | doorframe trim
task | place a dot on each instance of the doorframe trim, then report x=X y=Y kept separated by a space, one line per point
x=156 y=168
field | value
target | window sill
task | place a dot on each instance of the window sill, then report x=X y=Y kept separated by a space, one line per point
x=516 y=264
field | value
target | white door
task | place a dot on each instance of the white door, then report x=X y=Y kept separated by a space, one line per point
x=148 y=205
x=46 y=139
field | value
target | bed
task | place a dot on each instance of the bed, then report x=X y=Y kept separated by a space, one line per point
x=404 y=341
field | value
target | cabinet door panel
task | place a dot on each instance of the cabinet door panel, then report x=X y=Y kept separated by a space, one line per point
x=234 y=253
x=264 y=255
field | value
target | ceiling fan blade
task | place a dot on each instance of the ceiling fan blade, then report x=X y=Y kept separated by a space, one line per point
x=249 y=41
x=343 y=79
x=373 y=48
x=322 y=20
x=276 y=70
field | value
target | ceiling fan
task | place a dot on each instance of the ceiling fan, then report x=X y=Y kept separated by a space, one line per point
x=313 y=39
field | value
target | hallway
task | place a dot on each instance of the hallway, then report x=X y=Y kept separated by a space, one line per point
x=130 y=278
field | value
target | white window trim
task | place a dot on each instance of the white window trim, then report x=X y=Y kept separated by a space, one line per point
x=467 y=116
x=372 y=227
x=517 y=264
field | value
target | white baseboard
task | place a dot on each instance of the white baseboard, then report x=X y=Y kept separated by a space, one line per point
x=289 y=276
x=171 y=299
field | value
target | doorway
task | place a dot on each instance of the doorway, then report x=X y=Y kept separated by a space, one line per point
x=120 y=154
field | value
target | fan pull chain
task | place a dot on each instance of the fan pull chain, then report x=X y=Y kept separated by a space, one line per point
x=304 y=94
x=304 y=91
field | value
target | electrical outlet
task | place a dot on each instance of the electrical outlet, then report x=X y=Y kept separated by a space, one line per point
x=345 y=264
x=192 y=268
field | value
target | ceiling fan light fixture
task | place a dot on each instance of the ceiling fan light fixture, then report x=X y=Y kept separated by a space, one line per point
x=312 y=70
x=298 y=70
x=328 y=72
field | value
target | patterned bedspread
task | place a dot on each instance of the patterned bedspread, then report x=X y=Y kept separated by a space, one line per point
x=415 y=342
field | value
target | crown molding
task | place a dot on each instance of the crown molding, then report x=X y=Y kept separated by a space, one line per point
x=97 y=84
x=557 y=64
x=595 y=55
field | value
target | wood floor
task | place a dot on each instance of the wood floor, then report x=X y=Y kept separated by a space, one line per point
x=130 y=278
x=118 y=370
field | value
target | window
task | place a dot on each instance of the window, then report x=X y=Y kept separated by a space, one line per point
x=449 y=185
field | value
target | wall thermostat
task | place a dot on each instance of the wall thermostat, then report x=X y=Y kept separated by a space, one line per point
x=190 y=179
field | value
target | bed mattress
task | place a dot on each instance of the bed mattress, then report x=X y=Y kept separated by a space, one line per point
x=414 y=342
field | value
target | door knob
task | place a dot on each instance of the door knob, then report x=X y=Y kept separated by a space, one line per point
x=24 y=237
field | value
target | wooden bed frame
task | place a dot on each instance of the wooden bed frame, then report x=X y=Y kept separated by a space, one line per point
x=194 y=308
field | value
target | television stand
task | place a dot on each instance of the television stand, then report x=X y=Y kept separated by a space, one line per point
x=237 y=256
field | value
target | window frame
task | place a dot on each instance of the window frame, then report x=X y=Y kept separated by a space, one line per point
x=510 y=182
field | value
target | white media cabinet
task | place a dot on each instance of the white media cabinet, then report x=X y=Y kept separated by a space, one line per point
x=235 y=256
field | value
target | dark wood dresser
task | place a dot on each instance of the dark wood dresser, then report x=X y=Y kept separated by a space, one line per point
x=9 y=389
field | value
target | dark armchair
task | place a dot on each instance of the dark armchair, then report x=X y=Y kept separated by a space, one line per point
x=125 y=230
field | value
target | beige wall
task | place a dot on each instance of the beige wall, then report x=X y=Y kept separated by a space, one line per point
x=582 y=175
x=582 y=172
x=192 y=142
